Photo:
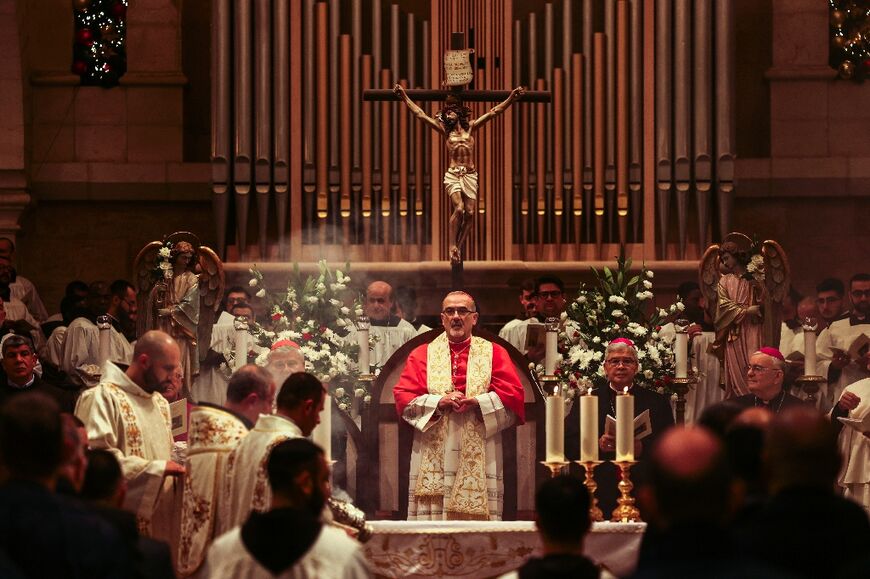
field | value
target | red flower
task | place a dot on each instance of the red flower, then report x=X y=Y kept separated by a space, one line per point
x=277 y=316
x=322 y=329
x=306 y=336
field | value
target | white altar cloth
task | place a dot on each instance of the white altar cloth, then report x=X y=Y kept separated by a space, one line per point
x=478 y=549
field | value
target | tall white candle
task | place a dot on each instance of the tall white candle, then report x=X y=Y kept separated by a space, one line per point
x=241 y=351
x=624 y=426
x=681 y=351
x=809 y=353
x=550 y=352
x=588 y=427
x=555 y=422
x=362 y=337
x=322 y=433
x=105 y=345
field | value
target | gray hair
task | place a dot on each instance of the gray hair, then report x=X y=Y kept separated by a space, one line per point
x=620 y=347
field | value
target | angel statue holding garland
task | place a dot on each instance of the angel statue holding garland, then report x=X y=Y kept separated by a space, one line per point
x=744 y=283
x=180 y=285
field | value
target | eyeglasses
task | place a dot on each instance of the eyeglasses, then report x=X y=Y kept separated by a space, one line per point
x=858 y=294
x=621 y=362
x=551 y=294
x=757 y=368
x=461 y=312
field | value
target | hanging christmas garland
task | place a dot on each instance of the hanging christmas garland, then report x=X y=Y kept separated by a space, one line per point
x=99 y=52
x=850 y=38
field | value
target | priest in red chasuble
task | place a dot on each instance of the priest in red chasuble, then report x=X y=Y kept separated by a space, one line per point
x=458 y=392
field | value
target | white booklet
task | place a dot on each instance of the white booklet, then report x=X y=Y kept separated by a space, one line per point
x=642 y=425
x=859 y=424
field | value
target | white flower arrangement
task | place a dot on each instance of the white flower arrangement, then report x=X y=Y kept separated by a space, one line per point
x=164 y=263
x=755 y=267
x=312 y=312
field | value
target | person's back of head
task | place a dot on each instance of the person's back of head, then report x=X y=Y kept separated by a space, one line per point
x=717 y=418
x=251 y=392
x=295 y=471
x=31 y=437
x=297 y=389
x=800 y=449
x=562 y=507
x=104 y=480
x=689 y=479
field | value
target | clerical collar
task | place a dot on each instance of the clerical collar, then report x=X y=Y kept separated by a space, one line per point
x=630 y=388
x=854 y=320
x=25 y=386
x=772 y=405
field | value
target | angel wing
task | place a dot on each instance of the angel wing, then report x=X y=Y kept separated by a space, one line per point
x=143 y=278
x=777 y=280
x=211 y=291
x=708 y=278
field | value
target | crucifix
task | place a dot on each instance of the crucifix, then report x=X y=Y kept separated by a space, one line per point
x=453 y=122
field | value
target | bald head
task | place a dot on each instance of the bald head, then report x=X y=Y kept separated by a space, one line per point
x=154 y=344
x=379 y=300
x=757 y=417
x=156 y=362
x=801 y=449
x=689 y=477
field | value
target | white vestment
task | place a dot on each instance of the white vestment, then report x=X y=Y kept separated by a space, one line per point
x=54 y=346
x=81 y=349
x=855 y=450
x=514 y=332
x=334 y=555
x=24 y=290
x=707 y=391
x=246 y=487
x=840 y=334
x=16 y=310
x=211 y=383
x=212 y=434
x=136 y=427
x=387 y=339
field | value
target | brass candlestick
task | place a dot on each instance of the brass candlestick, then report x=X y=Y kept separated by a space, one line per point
x=811 y=385
x=626 y=512
x=595 y=513
x=681 y=386
x=555 y=466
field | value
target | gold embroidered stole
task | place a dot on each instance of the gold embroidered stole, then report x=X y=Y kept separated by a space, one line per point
x=467 y=498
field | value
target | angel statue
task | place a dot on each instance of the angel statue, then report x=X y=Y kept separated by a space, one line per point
x=180 y=285
x=744 y=284
x=460 y=179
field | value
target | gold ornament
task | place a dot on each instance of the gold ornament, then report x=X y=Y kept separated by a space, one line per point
x=838 y=17
x=838 y=42
x=846 y=69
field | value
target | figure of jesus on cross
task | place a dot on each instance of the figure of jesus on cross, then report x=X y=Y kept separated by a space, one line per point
x=460 y=179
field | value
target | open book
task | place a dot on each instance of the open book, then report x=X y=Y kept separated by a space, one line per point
x=857 y=349
x=642 y=425
x=536 y=335
x=178 y=413
x=859 y=424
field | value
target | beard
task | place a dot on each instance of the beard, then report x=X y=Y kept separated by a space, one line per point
x=152 y=383
x=316 y=501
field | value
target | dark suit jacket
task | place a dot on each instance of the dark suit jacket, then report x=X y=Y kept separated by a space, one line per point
x=65 y=398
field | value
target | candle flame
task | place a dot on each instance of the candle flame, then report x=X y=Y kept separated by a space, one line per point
x=589 y=391
x=625 y=390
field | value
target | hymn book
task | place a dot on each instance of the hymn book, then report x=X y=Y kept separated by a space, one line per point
x=857 y=349
x=859 y=424
x=642 y=425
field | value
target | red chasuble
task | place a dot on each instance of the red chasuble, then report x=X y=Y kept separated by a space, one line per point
x=505 y=382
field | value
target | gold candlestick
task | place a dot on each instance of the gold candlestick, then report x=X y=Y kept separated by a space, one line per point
x=811 y=385
x=626 y=512
x=595 y=513
x=555 y=466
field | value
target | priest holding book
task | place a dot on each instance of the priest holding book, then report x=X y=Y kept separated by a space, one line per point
x=620 y=368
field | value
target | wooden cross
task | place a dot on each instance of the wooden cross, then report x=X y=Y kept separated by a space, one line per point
x=457 y=42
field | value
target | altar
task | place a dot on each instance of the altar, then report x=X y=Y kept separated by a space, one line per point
x=476 y=549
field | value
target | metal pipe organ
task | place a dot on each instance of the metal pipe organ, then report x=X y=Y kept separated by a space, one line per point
x=635 y=148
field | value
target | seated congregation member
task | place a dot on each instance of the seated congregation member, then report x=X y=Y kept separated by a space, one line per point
x=806 y=528
x=289 y=539
x=103 y=491
x=562 y=518
x=765 y=379
x=127 y=415
x=18 y=376
x=299 y=404
x=687 y=503
x=459 y=392
x=854 y=477
x=45 y=534
x=213 y=433
x=620 y=368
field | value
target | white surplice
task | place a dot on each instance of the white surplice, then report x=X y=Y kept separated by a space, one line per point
x=136 y=427
x=246 y=485
x=81 y=348
x=334 y=555
x=24 y=290
x=840 y=334
x=211 y=383
x=387 y=339
x=855 y=450
x=514 y=332
x=212 y=434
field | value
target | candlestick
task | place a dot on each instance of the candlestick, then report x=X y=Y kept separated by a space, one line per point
x=104 y=323
x=552 y=346
x=240 y=353
x=555 y=426
x=322 y=433
x=555 y=466
x=624 y=426
x=362 y=337
x=681 y=386
x=625 y=512
x=595 y=513
x=588 y=427
x=681 y=347
x=809 y=326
